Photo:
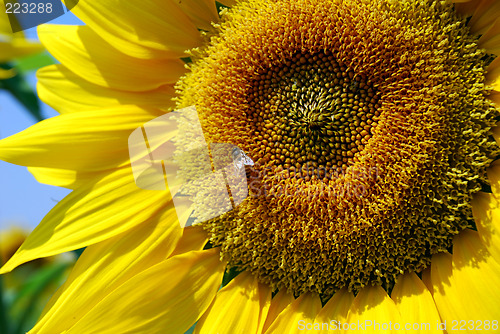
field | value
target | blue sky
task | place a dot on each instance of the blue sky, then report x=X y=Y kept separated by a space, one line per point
x=24 y=201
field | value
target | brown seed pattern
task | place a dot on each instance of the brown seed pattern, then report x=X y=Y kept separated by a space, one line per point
x=370 y=127
x=327 y=112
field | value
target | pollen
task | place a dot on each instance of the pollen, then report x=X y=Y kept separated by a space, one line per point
x=370 y=127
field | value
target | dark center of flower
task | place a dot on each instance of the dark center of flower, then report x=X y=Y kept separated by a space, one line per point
x=313 y=110
x=369 y=125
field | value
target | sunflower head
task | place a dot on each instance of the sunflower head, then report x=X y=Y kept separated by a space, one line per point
x=369 y=125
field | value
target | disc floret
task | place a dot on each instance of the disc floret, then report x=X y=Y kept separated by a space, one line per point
x=383 y=97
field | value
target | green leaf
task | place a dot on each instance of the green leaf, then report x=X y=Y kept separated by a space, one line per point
x=22 y=91
x=4 y=320
x=30 y=295
x=34 y=62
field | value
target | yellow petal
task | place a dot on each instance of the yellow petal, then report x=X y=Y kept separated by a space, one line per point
x=372 y=311
x=146 y=29
x=91 y=214
x=105 y=266
x=491 y=39
x=494 y=178
x=496 y=134
x=18 y=47
x=201 y=12
x=416 y=306
x=486 y=211
x=237 y=308
x=492 y=77
x=426 y=279
x=66 y=178
x=297 y=316
x=265 y=294
x=462 y=285
x=279 y=302
x=466 y=7
x=494 y=96
x=87 y=141
x=335 y=311
x=5 y=27
x=86 y=54
x=228 y=3
x=485 y=14
x=193 y=238
x=183 y=205
x=166 y=298
x=443 y=287
x=477 y=276
x=6 y=74
x=67 y=93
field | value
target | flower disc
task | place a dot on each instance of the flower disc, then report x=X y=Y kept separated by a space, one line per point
x=369 y=126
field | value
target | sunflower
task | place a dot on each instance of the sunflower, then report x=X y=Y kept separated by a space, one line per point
x=373 y=199
x=13 y=45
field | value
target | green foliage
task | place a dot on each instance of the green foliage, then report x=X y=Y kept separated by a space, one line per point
x=19 y=87
x=34 y=62
x=22 y=92
x=25 y=291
